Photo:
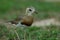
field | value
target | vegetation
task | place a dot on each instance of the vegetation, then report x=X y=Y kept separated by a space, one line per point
x=10 y=9
x=29 y=33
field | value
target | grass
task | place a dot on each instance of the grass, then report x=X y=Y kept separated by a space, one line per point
x=30 y=33
x=10 y=9
x=16 y=7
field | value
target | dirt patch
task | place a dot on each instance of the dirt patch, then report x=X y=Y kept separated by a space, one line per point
x=46 y=22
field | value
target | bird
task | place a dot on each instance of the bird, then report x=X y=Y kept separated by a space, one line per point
x=25 y=20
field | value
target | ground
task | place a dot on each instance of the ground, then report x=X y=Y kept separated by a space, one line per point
x=13 y=8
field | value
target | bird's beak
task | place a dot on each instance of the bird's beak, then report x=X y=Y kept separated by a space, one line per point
x=36 y=12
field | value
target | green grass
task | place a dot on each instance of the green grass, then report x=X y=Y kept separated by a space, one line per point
x=10 y=9
x=15 y=7
x=31 y=33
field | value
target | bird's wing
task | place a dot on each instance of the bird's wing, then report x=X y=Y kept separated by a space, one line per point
x=16 y=20
x=19 y=18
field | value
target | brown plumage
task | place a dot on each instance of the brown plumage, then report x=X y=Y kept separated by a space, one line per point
x=27 y=19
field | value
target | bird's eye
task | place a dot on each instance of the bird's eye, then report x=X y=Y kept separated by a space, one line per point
x=30 y=10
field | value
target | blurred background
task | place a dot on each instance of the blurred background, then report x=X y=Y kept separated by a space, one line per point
x=10 y=9
x=46 y=9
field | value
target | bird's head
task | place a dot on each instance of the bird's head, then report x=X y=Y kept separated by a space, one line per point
x=30 y=11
